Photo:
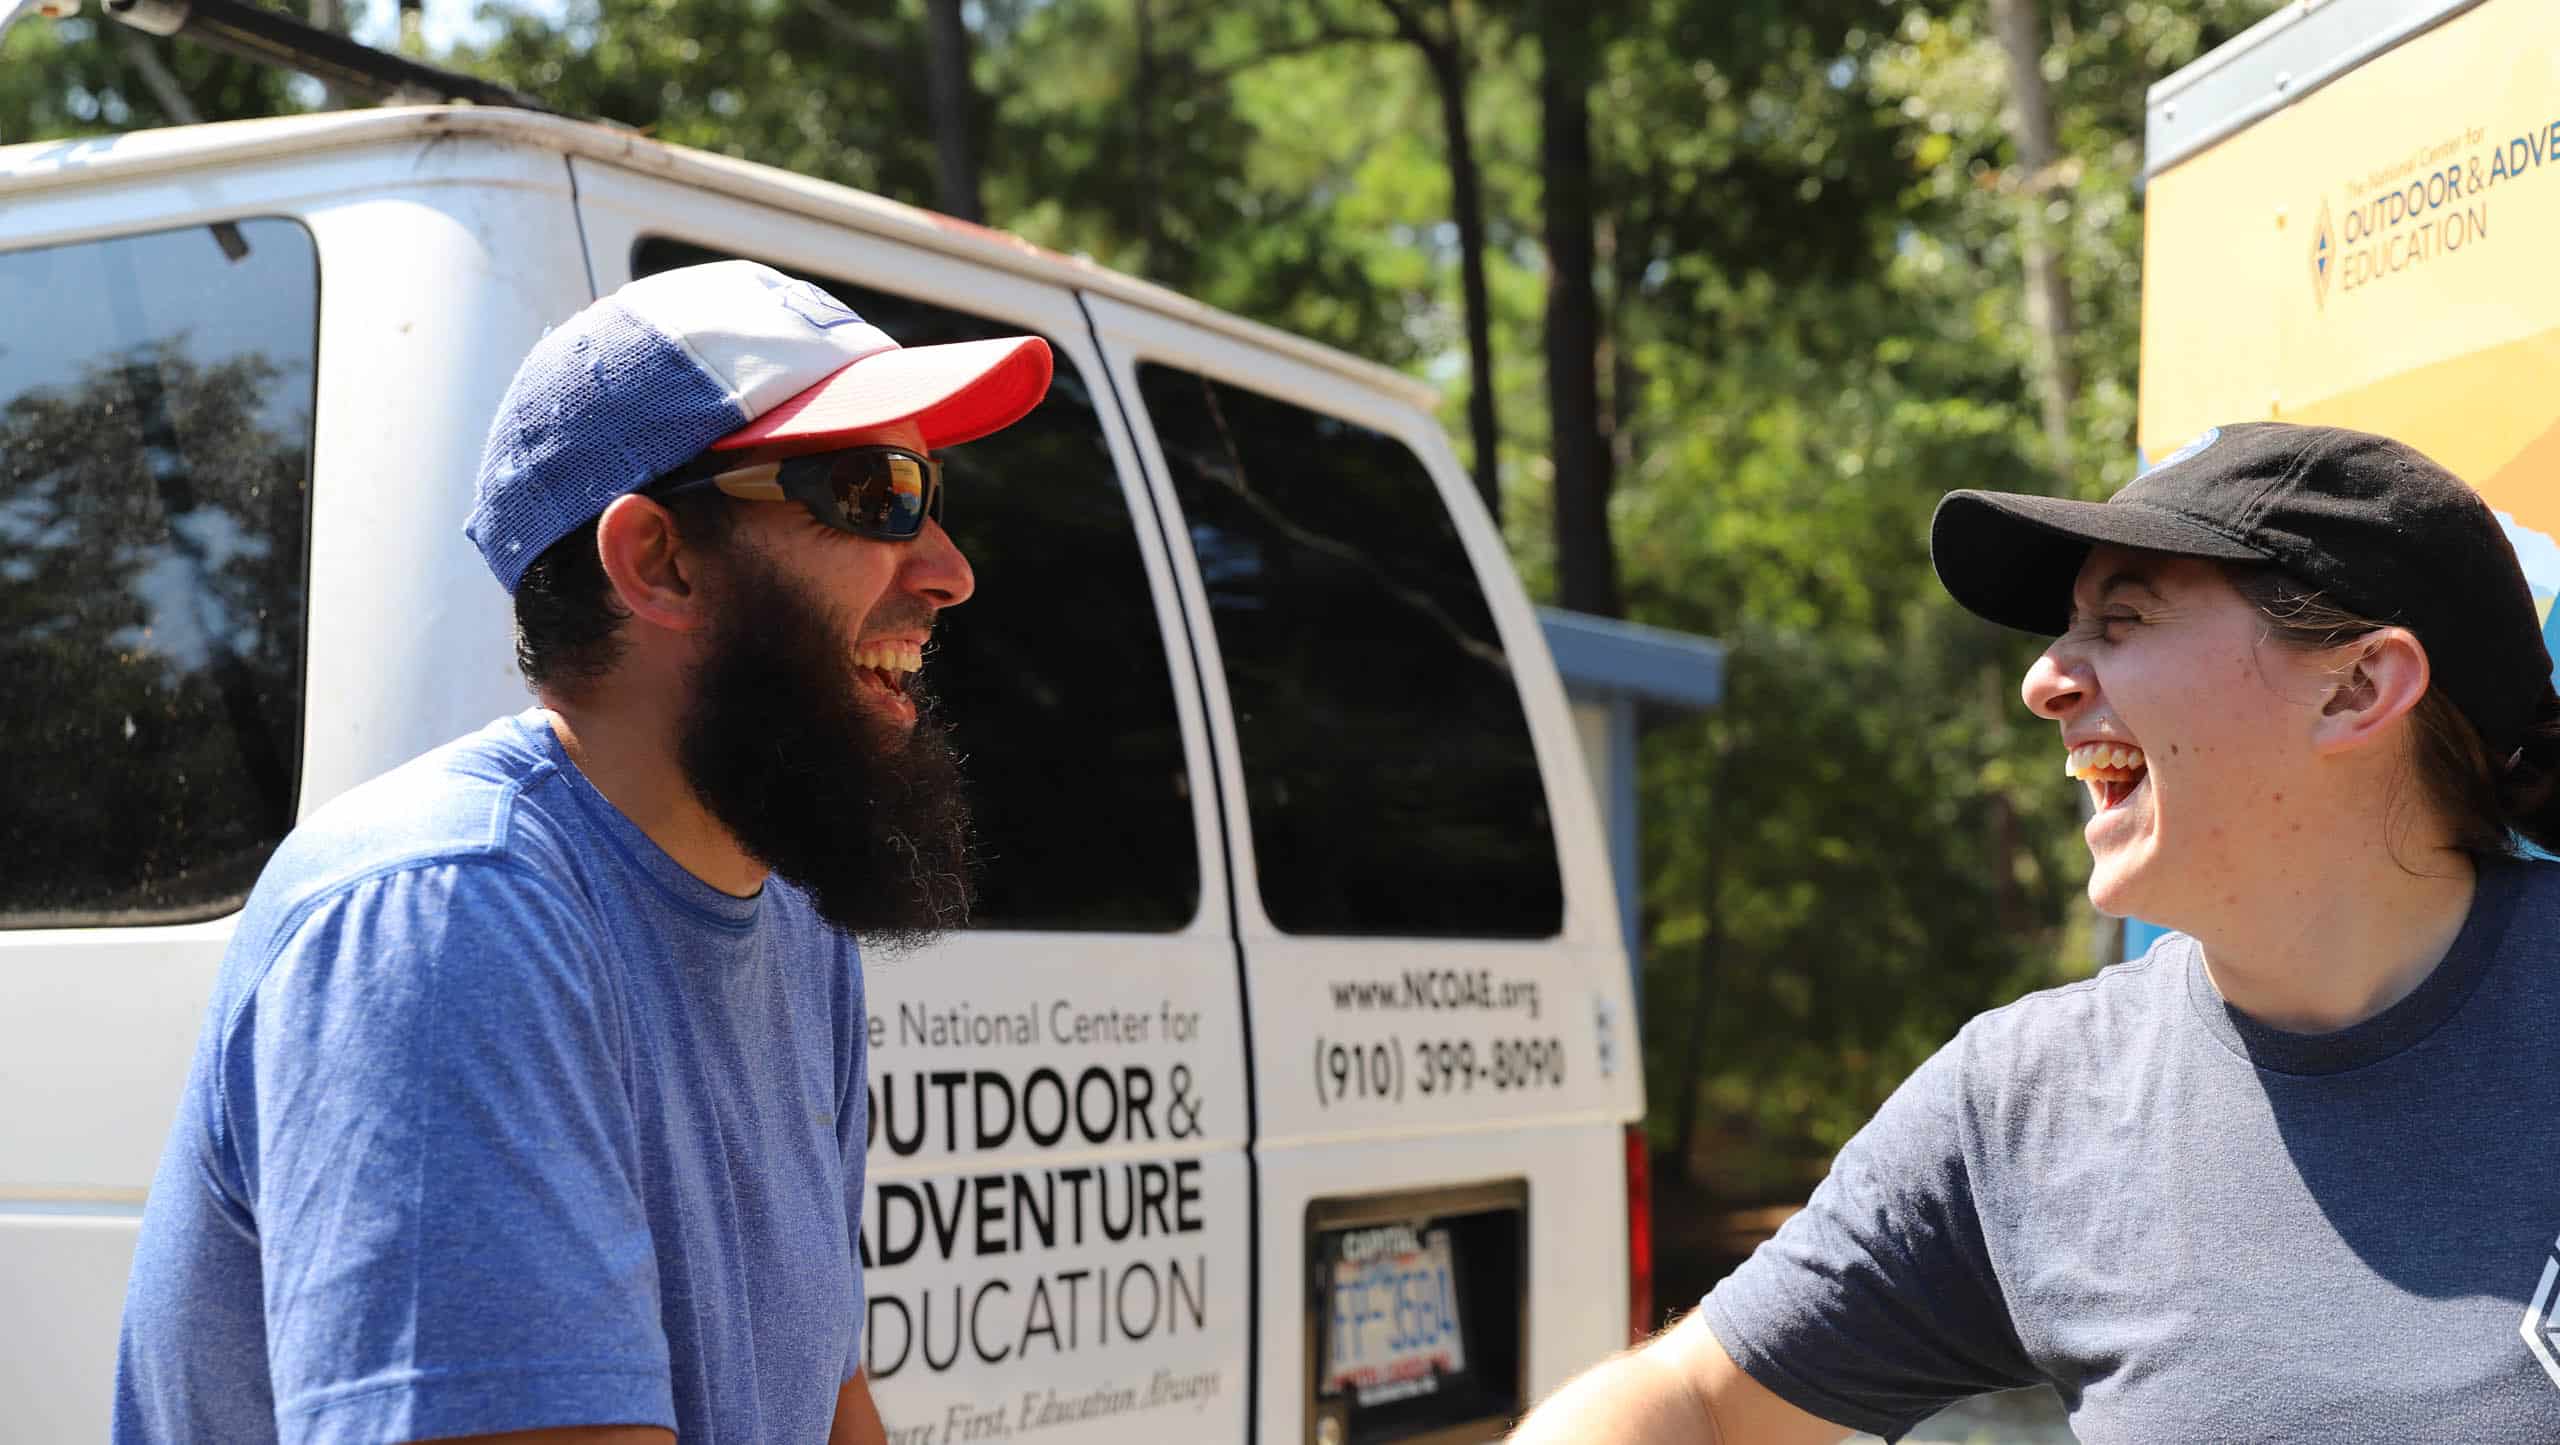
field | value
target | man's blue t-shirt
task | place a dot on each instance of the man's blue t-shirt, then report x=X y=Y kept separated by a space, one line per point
x=2197 y=1227
x=501 y=1119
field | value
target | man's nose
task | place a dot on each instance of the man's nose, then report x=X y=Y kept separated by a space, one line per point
x=935 y=570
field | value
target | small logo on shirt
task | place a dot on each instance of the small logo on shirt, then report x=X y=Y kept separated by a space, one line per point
x=2540 y=1330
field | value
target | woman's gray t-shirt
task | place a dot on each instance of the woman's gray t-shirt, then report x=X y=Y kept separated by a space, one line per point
x=2197 y=1227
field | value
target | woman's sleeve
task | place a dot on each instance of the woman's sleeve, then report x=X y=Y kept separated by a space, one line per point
x=1877 y=1305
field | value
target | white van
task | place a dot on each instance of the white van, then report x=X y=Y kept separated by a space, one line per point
x=1284 y=1093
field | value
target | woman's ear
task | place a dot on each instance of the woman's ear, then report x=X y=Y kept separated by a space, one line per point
x=655 y=577
x=2376 y=681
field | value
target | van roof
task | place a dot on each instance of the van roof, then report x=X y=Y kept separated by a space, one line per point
x=46 y=164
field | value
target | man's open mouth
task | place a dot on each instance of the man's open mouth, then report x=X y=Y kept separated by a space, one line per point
x=2112 y=770
x=888 y=665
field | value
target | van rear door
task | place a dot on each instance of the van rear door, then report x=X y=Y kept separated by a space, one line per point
x=242 y=389
x=1057 y=1227
x=1438 y=1002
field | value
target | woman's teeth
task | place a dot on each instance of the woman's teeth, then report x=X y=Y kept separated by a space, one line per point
x=2112 y=770
x=2104 y=762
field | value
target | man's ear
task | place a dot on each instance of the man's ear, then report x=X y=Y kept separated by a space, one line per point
x=2380 y=677
x=655 y=576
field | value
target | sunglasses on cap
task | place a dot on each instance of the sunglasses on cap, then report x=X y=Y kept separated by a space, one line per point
x=880 y=492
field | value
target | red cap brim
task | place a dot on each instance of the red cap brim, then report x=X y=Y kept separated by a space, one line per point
x=953 y=393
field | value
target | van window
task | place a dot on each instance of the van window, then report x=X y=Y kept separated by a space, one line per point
x=1053 y=676
x=155 y=466
x=1388 y=769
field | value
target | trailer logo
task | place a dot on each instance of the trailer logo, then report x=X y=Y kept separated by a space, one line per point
x=2323 y=251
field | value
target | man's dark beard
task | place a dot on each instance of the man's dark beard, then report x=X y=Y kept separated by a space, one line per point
x=871 y=823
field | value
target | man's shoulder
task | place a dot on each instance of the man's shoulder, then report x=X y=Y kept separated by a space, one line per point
x=493 y=797
x=479 y=796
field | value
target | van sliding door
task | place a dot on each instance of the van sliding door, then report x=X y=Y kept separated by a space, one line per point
x=1442 y=1037
x=1055 y=1230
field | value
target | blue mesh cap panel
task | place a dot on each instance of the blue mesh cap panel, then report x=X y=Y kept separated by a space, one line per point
x=603 y=405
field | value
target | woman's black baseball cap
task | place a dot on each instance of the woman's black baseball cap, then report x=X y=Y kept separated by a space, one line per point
x=2371 y=524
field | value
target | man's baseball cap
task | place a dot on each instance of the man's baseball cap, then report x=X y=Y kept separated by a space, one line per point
x=2372 y=525
x=717 y=357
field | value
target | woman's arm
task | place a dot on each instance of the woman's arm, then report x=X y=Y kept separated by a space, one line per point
x=1678 y=1388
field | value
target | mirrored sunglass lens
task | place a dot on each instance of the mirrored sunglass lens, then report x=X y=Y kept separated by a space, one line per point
x=906 y=492
x=881 y=494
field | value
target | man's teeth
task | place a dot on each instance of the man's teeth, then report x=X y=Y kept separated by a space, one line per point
x=2091 y=759
x=890 y=656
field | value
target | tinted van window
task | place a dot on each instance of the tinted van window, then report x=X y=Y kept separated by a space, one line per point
x=155 y=459
x=1387 y=763
x=1053 y=676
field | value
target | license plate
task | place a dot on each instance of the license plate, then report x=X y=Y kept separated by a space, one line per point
x=1417 y=1311
x=1394 y=1331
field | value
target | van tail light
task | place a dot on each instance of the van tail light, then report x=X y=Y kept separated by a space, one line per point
x=1640 y=1321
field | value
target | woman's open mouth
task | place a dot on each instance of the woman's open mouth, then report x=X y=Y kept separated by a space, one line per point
x=2112 y=770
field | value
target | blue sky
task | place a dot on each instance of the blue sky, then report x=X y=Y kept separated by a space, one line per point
x=445 y=23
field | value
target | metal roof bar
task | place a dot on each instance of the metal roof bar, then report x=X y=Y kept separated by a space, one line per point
x=1654 y=664
x=2274 y=63
x=268 y=38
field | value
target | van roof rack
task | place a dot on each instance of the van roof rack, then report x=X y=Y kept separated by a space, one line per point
x=270 y=38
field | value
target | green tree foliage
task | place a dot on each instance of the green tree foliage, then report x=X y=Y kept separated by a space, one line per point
x=1831 y=333
x=89 y=75
x=1806 y=215
x=798 y=85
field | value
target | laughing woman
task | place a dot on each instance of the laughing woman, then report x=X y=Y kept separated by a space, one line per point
x=2295 y=1174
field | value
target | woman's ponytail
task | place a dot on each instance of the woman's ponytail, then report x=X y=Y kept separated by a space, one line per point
x=2529 y=779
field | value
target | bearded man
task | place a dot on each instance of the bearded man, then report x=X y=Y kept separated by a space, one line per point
x=531 y=1100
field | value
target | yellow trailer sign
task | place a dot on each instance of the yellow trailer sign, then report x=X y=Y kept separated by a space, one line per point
x=2353 y=218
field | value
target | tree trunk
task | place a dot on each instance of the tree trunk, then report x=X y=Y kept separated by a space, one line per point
x=1142 y=112
x=1586 y=564
x=1466 y=197
x=952 y=96
x=1624 y=265
x=330 y=16
x=2020 y=24
x=1998 y=695
x=1693 y=1058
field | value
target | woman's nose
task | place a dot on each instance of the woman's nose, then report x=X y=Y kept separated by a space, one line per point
x=2056 y=685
